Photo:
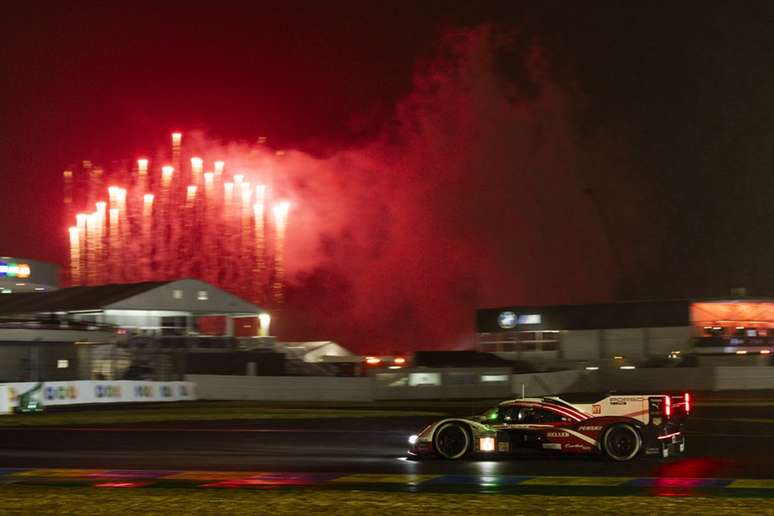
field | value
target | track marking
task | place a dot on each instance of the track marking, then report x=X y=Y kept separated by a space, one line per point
x=212 y=475
x=577 y=481
x=59 y=473
x=752 y=483
x=371 y=478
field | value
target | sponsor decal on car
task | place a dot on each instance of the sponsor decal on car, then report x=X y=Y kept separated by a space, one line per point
x=624 y=401
x=552 y=446
x=596 y=409
x=590 y=428
x=576 y=446
x=558 y=434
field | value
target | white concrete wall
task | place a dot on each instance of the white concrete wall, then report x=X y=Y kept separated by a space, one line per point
x=546 y=384
x=449 y=383
x=657 y=379
x=463 y=383
x=282 y=388
x=743 y=378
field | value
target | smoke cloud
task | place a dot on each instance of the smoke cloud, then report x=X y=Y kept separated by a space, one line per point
x=484 y=191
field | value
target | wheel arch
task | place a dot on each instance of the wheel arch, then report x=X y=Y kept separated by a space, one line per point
x=466 y=425
x=635 y=424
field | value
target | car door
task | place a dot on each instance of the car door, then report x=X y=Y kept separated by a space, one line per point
x=530 y=427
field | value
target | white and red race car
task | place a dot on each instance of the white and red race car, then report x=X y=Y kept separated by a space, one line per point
x=620 y=427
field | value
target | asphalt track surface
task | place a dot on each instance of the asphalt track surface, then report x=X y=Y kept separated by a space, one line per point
x=723 y=442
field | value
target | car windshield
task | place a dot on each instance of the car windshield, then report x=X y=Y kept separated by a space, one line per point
x=490 y=415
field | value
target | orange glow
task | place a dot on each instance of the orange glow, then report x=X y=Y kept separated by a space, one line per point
x=197 y=165
x=400 y=361
x=101 y=207
x=177 y=138
x=373 y=360
x=668 y=406
x=260 y=192
x=75 y=254
x=765 y=351
x=121 y=198
x=281 y=214
x=208 y=179
x=142 y=166
x=687 y=397
x=147 y=206
x=166 y=174
x=113 y=195
x=733 y=314
x=247 y=194
x=191 y=193
x=219 y=165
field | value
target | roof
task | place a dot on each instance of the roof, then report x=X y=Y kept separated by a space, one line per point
x=74 y=298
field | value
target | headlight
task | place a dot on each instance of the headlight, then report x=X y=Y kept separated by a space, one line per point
x=413 y=439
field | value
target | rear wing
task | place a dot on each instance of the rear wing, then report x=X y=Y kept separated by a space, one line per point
x=647 y=408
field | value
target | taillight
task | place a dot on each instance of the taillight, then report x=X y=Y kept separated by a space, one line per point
x=668 y=406
x=687 y=403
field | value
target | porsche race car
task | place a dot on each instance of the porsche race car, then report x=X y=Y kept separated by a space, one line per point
x=620 y=427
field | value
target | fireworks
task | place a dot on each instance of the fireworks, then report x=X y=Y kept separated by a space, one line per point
x=192 y=218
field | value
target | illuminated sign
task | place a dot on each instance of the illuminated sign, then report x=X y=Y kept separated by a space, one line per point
x=508 y=320
x=14 y=270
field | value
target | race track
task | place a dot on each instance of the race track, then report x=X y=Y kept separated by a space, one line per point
x=732 y=441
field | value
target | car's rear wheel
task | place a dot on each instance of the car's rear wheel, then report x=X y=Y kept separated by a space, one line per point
x=452 y=441
x=622 y=442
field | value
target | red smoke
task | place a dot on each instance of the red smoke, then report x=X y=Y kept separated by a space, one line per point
x=484 y=195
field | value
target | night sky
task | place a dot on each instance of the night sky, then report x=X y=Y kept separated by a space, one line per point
x=472 y=153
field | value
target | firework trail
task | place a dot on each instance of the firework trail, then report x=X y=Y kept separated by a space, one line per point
x=175 y=218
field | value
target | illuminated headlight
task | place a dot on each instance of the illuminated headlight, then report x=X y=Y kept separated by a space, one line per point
x=487 y=444
x=413 y=439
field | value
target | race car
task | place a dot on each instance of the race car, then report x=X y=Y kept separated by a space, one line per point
x=620 y=427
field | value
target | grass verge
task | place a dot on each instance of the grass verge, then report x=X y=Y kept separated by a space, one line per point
x=149 y=501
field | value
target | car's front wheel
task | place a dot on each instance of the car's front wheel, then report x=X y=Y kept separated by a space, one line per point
x=622 y=442
x=452 y=441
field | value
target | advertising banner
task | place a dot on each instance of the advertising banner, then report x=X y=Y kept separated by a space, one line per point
x=95 y=391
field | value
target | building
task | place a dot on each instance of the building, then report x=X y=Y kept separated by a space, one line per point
x=151 y=330
x=631 y=332
x=25 y=275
